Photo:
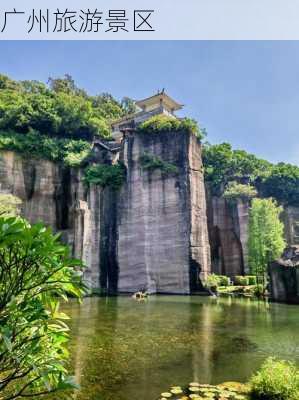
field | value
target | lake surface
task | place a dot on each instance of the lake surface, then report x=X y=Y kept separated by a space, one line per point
x=123 y=349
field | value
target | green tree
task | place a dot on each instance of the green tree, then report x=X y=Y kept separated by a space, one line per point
x=282 y=184
x=266 y=235
x=59 y=109
x=65 y=84
x=128 y=105
x=35 y=273
x=222 y=164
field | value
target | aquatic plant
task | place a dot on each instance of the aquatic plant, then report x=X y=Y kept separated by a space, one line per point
x=197 y=391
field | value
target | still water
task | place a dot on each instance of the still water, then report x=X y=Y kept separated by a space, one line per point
x=123 y=349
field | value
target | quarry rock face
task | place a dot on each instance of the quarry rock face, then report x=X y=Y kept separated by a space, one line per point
x=284 y=277
x=162 y=231
x=228 y=231
x=38 y=183
x=291 y=223
x=151 y=234
x=163 y=241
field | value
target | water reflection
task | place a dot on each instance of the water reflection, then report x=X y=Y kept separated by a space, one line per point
x=123 y=349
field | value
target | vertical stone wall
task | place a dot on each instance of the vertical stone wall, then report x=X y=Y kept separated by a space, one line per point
x=228 y=231
x=162 y=230
x=153 y=233
x=35 y=182
x=284 y=283
x=200 y=253
x=291 y=223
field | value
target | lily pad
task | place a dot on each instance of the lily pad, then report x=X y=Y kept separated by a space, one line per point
x=176 y=391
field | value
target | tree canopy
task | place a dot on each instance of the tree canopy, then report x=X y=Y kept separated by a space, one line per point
x=282 y=184
x=58 y=109
x=224 y=165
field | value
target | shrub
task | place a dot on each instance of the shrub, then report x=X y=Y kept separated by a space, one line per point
x=105 y=175
x=240 y=280
x=276 y=380
x=224 y=280
x=259 y=290
x=164 y=123
x=212 y=281
x=236 y=191
x=252 y=280
x=151 y=162
x=36 y=273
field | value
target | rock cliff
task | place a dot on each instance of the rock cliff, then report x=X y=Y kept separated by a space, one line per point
x=162 y=225
x=162 y=231
x=151 y=234
x=228 y=225
x=228 y=232
x=284 y=277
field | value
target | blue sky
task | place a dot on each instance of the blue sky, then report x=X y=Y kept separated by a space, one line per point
x=245 y=93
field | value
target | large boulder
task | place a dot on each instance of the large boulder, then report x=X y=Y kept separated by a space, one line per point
x=284 y=277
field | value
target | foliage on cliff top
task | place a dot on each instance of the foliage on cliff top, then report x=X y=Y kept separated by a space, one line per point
x=282 y=183
x=69 y=151
x=222 y=165
x=59 y=109
x=105 y=175
x=164 y=123
x=235 y=190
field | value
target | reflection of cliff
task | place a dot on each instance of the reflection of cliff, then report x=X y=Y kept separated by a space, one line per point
x=202 y=370
x=95 y=366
